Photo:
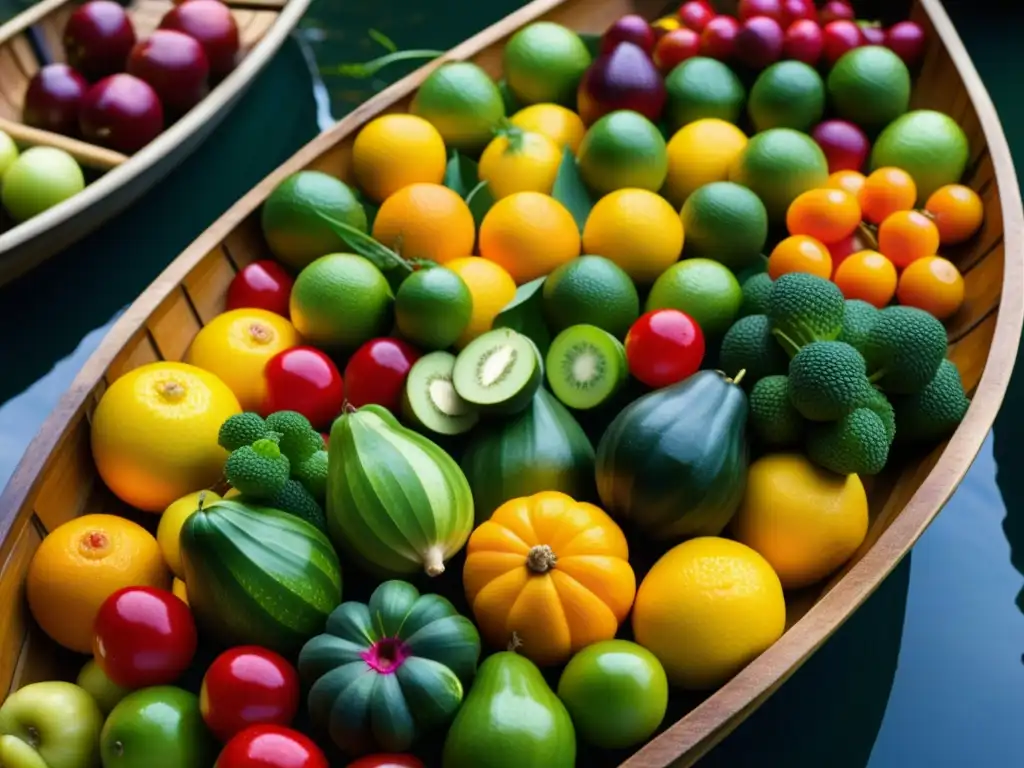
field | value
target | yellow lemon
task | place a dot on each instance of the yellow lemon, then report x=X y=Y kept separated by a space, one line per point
x=805 y=521
x=179 y=589
x=636 y=229
x=706 y=609
x=700 y=153
x=520 y=161
x=561 y=125
x=154 y=433
x=394 y=151
x=426 y=221
x=529 y=235
x=169 y=529
x=491 y=287
x=236 y=346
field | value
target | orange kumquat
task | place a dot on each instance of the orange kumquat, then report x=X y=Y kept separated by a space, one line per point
x=827 y=215
x=849 y=181
x=932 y=284
x=800 y=253
x=868 y=276
x=957 y=212
x=906 y=236
x=886 y=191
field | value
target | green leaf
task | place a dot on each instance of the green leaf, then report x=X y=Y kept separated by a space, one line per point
x=361 y=243
x=371 y=68
x=512 y=104
x=570 y=190
x=462 y=174
x=480 y=199
x=383 y=40
x=525 y=314
x=593 y=43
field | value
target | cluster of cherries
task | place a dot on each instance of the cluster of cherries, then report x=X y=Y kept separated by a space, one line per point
x=765 y=31
x=119 y=92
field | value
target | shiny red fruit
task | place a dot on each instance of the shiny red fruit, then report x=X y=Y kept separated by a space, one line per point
x=175 y=65
x=377 y=371
x=98 y=38
x=248 y=685
x=873 y=33
x=271 y=746
x=121 y=112
x=211 y=23
x=794 y=10
x=804 y=41
x=696 y=14
x=907 y=40
x=718 y=40
x=261 y=285
x=676 y=47
x=834 y=10
x=53 y=99
x=840 y=37
x=748 y=9
x=143 y=637
x=845 y=145
x=663 y=347
x=629 y=29
x=304 y=379
x=759 y=42
x=386 y=761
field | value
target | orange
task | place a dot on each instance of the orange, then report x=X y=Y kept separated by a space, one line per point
x=800 y=253
x=850 y=181
x=957 y=212
x=529 y=235
x=520 y=161
x=886 y=191
x=828 y=215
x=154 y=433
x=868 y=276
x=426 y=221
x=80 y=564
x=236 y=346
x=394 y=151
x=491 y=287
x=906 y=236
x=932 y=284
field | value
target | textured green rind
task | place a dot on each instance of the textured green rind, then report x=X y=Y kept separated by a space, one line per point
x=396 y=502
x=542 y=449
x=675 y=461
x=510 y=719
x=258 y=576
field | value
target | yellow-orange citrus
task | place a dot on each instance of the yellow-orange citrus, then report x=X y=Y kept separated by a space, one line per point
x=561 y=125
x=529 y=234
x=394 y=151
x=932 y=284
x=491 y=288
x=426 y=221
x=520 y=161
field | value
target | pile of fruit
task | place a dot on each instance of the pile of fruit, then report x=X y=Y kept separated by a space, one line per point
x=576 y=382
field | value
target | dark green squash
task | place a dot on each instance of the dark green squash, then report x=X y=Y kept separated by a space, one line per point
x=675 y=461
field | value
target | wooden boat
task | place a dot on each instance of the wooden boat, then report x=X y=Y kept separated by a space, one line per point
x=56 y=479
x=34 y=37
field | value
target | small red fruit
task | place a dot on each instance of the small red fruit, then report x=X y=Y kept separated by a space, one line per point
x=629 y=29
x=845 y=145
x=98 y=38
x=718 y=40
x=873 y=33
x=663 y=347
x=759 y=42
x=841 y=37
x=377 y=371
x=748 y=9
x=834 y=10
x=261 y=285
x=211 y=23
x=304 y=379
x=907 y=40
x=53 y=99
x=271 y=746
x=175 y=65
x=804 y=41
x=696 y=14
x=121 y=112
x=676 y=47
x=794 y=10
x=143 y=637
x=386 y=761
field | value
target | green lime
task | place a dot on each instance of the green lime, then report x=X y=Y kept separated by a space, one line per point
x=463 y=103
x=591 y=290
x=725 y=222
x=701 y=87
x=544 y=63
x=623 y=149
x=291 y=217
x=870 y=86
x=788 y=94
x=433 y=307
x=8 y=152
x=39 y=179
x=616 y=692
x=704 y=289
x=778 y=165
x=341 y=301
x=928 y=145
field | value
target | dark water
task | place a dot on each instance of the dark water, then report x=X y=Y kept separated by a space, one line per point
x=928 y=673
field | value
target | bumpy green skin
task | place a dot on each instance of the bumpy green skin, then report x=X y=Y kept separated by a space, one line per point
x=859 y=318
x=242 y=429
x=259 y=470
x=298 y=440
x=385 y=673
x=804 y=308
x=773 y=419
x=827 y=380
x=857 y=444
x=932 y=414
x=294 y=499
x=312 y=473
x=904 y=349
x=756 y=292
x=879 y=403
x=750 y=346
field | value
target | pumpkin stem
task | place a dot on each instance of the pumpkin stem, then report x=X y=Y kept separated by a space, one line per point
x=541 y=558
x=199 y=503
x=739 y=376
x=433 y=562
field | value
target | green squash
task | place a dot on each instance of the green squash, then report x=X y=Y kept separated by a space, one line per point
x=510 y=719
x=258 y=576
x=675 y=461
x=396 y=502
x=541 y=449
x=385 y=673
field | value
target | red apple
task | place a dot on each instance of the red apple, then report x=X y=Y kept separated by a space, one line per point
x=845 y=145
x=305 y=380
x=630 y=28
x=98 y=37
x=748 y=9
x=907 y=40
x=718 y=40
x=841 y=37
x=626 y=78
x=175 y=65
x=804 y=42
x=271 y=746
x=794 y=10
x=121 y=112
x=53 y=99
x=263 y=284
x=759 y=42
x=211 y=23
x=676 y=47
x=696 y=14
x=376 y=373
x=834 y=10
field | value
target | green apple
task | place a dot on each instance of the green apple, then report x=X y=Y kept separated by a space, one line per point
x=8 y=152
x=158 y=727
x=50 y=725
x=106 y=692
x=39 y=179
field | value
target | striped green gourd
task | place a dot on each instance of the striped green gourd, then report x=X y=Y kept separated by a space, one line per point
x=396 y=502
x=258 y=576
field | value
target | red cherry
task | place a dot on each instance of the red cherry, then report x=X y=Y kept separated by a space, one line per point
x=53 y=99
x=663 y=347
x=759 y=42
x=907 y=40
x=794 y=10
x=121 y=112
x=748 y=9
x=718 y=40
x=675 y=47
x=211 y=23
x=271 y=746
x=804 y=42
x=261 y=285
x=304 y=379
x=841 y=37
x=377 y=371
x=845 y=145
x=98 y=38
x=629 y=29
x=696 y=14
x=834 y=10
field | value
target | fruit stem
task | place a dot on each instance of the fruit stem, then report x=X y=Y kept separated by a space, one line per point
x=541 y=558
x=869 y=236
x=515 y=643
x=433 y=562
x=738 y=377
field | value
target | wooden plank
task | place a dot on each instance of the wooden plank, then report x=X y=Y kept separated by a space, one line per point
x=89 y=155
x=16 y=618
x=971 y=353
x=257 y=27
x=24 y=56
x=13 y=81
x=173 y=325
x=135 y=353
x=52 y=29
x=68 y=481
x=207 y=284
x=146 y=15
x=983 y=289
x=246 y=244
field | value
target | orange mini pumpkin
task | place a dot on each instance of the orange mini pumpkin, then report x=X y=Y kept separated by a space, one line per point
x=550 y=571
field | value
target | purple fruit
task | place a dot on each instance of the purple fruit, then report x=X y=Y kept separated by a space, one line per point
x=632 y=29
x=759 y=42
x=175 y=65
x=53 y=99
x=625 y=78
x=98 y=38
x=845 y=145
x=121 y=112
x=211 y=23
x=873 y=32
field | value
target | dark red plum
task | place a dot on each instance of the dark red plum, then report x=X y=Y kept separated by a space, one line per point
x=53 y=99
x=175 y=65
x=834 y=10
x=98 y=38
x=759 y=42
x=676 y=47
x=804 y=42
x=629 y=29
x=845 y=145
x=696 y=14
x=907 y=40
x=794 y=10
x=873 y=32
x=840 y=37
x=211 y=23
x=625 y=78
x=748 y=9
x=718 y=40
x=121 y=112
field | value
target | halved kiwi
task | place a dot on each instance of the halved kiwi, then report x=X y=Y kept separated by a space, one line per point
x=498 y=371
x=586 y=366
x=430 y=400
